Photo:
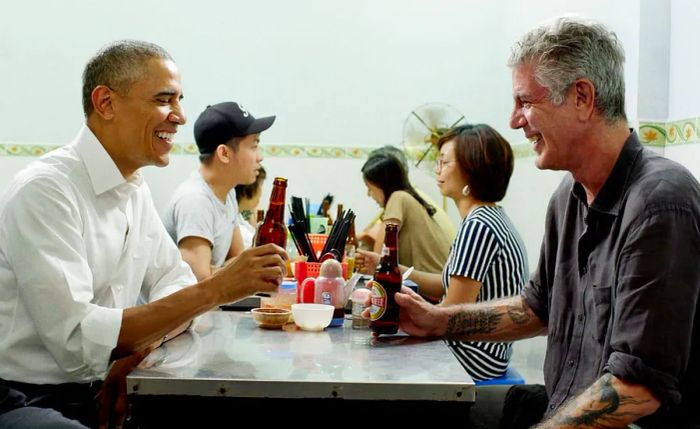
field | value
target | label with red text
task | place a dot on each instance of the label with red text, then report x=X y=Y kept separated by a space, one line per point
x=378 y=300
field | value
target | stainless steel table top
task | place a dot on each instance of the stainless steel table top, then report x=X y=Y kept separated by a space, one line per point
x=226 y=354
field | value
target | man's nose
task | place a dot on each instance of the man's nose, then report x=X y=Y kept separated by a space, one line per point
x=517 y=119
x=178 y=115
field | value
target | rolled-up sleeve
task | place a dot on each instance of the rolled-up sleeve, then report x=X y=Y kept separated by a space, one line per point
x=656 y=299
x=45 y=248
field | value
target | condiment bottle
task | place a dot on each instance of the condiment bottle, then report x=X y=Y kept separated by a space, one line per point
x=329 y=289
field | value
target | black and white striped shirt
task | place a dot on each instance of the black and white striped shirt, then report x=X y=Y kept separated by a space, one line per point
x=487 y=249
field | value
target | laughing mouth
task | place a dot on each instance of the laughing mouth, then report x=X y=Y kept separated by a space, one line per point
x=164 y=135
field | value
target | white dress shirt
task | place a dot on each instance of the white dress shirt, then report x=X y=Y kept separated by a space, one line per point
x=78 y=243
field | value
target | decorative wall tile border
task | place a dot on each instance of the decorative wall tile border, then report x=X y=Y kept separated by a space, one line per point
x=673 y=133
x=684 y=131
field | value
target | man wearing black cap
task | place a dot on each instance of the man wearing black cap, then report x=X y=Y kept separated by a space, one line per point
x=201 y=216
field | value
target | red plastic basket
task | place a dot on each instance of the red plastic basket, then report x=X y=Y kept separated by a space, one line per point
x=303 y=270
x=317 y=243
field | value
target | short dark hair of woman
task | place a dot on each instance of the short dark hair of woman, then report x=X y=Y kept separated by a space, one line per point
x=485 y=157
x=386 y=171
x=248 y=191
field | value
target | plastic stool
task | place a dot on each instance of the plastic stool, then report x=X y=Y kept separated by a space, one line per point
x=512 y=376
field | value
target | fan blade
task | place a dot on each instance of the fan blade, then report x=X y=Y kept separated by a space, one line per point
x=422 y=121
x=422 y=157
x=456 y=122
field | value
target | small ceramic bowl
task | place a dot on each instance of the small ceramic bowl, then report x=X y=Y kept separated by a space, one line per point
x=270 y=318
x=312 y=317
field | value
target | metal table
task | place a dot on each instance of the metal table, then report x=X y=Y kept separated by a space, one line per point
x=227 y=356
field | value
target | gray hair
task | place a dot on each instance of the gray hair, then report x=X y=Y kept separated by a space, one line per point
x=118 y=66
x=571 y=48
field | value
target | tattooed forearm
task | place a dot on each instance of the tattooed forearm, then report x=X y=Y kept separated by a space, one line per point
x=518 y=313
x=600 y=406
x=481 y=321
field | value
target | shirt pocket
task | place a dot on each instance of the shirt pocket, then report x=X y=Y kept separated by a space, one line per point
x=602 y=297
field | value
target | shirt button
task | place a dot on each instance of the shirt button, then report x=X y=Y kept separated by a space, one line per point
x=572 y=363
x=584 y=270
x=580 y=317
x=551 y=406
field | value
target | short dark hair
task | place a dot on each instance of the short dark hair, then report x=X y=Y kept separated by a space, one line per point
x=118 y=66
x=386 y=171
x=206 y=158
x=485 y=157
x=247 y=191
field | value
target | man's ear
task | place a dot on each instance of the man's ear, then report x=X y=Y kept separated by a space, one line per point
x=102 y=101
x=223 y=152
x=584 y=93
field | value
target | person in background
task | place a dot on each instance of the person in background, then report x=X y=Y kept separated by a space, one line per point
x=617 y=285
x=202 y=215
x=81 y=244
x=425 y=231
x=248 y=198
x=487 y=260
x=372 y=236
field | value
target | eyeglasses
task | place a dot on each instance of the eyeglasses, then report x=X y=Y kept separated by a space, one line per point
x=442 y=163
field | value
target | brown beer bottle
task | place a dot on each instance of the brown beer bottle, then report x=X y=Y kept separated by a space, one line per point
x=273 y=229
x=386 y=282
x=351 y=248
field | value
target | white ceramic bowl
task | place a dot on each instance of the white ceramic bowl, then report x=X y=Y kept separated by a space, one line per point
x=312 y=317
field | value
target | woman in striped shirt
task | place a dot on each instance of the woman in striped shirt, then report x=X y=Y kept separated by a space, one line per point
x=487 y=260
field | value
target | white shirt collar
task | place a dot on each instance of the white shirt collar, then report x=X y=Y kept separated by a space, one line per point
x=103 y=172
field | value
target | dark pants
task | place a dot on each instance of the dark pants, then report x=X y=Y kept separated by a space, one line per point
x=73 y=400
x=508 y=407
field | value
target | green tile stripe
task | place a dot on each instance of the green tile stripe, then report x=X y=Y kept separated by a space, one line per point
x=685 y=131
x=673 y=133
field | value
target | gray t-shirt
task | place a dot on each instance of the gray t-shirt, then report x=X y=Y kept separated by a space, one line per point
x=194 y=211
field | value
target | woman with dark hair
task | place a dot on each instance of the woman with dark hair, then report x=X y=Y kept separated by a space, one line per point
x=425 y=231
x=487 y=259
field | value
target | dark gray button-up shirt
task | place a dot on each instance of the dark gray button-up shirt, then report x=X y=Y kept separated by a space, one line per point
x=618 y=283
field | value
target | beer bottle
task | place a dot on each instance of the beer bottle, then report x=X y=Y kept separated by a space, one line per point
x=351 y=248
x=273 y=229
x=386 y=282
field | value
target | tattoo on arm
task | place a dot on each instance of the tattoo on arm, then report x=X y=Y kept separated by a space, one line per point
x=518 y=313
x=481 y=321
x=601 y=406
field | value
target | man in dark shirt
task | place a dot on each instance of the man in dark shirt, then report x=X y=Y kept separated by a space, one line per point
x=617 y=284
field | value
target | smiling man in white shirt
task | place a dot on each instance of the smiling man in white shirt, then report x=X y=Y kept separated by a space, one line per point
x=80 y=241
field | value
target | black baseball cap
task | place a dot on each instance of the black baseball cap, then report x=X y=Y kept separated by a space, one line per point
x=219 y=123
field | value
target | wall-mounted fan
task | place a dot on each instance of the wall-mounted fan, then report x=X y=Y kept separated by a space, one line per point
x=423 y=128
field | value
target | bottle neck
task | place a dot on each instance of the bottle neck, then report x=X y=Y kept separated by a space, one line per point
x=351 y=240
x=275 y=211
x=390 y=251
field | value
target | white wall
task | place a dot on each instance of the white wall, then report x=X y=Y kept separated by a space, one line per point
x=684 y=92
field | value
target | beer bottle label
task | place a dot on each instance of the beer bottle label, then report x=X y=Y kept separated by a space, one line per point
x=379 y=299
